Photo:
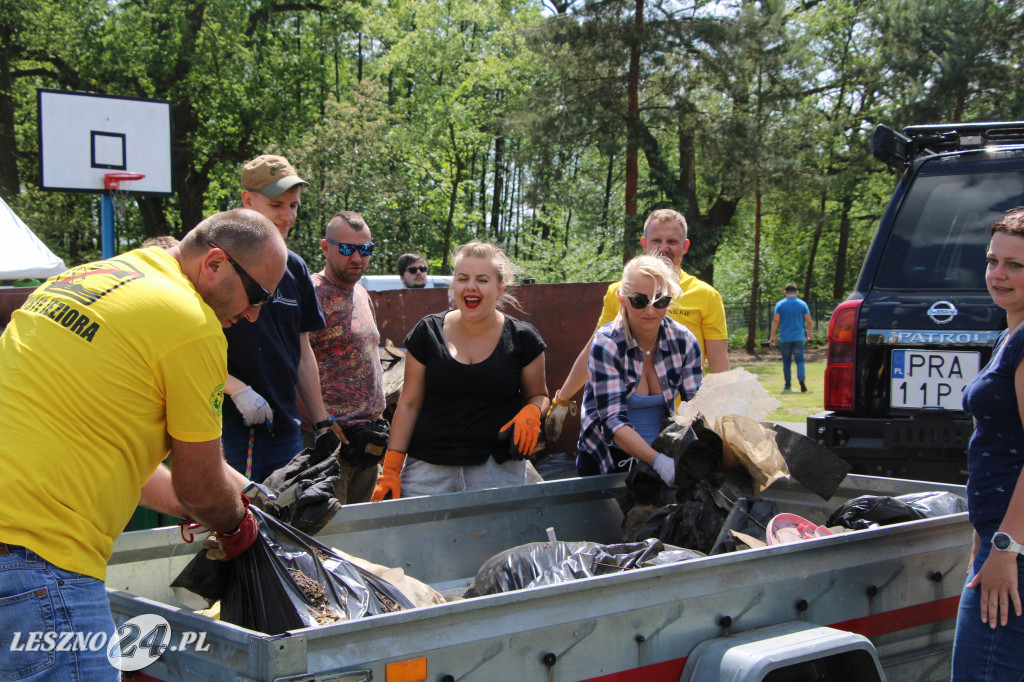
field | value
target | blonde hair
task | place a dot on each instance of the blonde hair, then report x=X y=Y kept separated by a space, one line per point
x=489 y=252
x=655 y=268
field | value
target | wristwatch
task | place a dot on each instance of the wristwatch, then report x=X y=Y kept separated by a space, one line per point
x=325 y=424
x=1004 y=543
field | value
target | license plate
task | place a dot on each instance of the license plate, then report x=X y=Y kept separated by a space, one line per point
x=931 y=378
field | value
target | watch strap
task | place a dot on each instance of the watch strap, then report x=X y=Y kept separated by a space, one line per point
x=1013 y=545
x=325 y=424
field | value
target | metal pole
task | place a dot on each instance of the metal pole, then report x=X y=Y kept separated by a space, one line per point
x=107 y=224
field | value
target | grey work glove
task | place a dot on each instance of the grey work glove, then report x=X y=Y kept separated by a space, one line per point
x=254 y=408
x=666 y=468
x=556 y=415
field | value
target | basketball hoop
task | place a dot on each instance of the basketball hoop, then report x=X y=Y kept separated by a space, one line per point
x=112 y=181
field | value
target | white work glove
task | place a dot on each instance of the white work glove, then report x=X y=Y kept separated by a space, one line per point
x=666 y=468
x=556 y=417
x=254 y=409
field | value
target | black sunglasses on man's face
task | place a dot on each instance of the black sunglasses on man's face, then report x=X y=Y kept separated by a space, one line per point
x=253 y=289
x=413 y=269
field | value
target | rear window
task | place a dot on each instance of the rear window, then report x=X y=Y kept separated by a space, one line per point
x=942 y=230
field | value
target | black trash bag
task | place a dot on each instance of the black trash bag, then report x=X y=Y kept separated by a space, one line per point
x=288 y=580
x=304 y=487
x=696 y=449
x=813 y=465
x=695 y=521
x=366 y=445
x=749 y=516
x=871 y=511
x=552 y=563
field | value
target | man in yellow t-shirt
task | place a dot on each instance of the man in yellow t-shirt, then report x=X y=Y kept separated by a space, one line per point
x=104 y=370
x=699 y=308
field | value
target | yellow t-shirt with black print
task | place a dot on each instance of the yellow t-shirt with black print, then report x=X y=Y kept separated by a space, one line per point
x=97 y=369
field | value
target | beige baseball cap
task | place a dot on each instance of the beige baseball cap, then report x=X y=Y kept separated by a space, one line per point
x=270 y=175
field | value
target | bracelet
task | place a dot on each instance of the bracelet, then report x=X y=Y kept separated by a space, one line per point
x=325 y=424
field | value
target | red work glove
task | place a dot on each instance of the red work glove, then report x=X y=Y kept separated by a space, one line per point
x=389 y=483
x=234 y=543
x=527 y=429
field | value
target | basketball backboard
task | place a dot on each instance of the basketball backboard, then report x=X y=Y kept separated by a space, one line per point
x=83 y=136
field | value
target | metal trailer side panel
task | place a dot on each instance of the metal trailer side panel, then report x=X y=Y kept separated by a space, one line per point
x=897 y=585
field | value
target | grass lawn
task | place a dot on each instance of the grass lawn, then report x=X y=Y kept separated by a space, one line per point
x=795 y=406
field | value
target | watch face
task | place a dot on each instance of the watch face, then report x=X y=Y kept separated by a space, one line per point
x=1001 y=541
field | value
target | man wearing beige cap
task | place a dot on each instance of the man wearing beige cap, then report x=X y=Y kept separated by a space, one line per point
x=270 y=360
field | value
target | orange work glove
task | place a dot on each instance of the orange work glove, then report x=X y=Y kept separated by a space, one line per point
x=527 y=429
x=389 y=483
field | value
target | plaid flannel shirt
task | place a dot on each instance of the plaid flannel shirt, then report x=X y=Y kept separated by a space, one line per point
x=615 y=367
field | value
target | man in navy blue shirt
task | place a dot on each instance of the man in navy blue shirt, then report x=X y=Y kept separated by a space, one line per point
x=793 y=322
x=270 y=361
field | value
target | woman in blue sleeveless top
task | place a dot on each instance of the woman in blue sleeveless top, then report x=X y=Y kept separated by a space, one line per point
x=639 y=363
x=989 y=627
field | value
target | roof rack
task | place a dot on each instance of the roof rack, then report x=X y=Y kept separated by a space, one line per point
x=899 y=150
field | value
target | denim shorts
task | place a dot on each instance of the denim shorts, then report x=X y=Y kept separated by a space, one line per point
x=981 y=653
x=37 y=598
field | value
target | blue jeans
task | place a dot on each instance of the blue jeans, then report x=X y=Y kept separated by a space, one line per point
x=38 y=597
x=269 y=452
x=791 y=349
x=981 y=653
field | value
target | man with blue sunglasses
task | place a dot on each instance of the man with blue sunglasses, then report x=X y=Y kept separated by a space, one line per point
x=270 y=361
x=348 y=357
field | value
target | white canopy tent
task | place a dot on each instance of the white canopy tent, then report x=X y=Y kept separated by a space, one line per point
x=22 y=255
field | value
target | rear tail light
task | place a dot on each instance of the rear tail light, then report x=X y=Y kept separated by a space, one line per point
x=842 y=352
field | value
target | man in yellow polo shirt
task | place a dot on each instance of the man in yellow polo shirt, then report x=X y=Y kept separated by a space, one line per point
x=104 y=370
x=699 y=308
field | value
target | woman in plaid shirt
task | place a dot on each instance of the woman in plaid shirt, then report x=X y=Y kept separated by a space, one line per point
x=639 y=363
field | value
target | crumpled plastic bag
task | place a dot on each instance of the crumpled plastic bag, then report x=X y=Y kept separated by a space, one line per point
x=871 y=511
x=285 y=581
x=551 y=563
x=734 y=392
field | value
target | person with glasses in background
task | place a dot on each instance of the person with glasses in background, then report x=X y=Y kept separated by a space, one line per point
x=639 y=363
x=412 y=268
x=699 y=308
x=347 y=354
x=270 y=361
x=105 y=370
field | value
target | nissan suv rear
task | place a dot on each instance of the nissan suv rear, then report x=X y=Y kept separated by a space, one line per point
x=920 y=323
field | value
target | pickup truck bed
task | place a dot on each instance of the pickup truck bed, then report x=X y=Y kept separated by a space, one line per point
x=898 y=585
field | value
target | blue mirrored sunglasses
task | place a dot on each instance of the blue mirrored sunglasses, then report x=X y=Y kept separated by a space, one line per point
x=346 y=249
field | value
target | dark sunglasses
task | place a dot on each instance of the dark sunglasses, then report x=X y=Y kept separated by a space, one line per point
x=641 y=301
x=416 y=268
x=253 y=289
x=346 y=249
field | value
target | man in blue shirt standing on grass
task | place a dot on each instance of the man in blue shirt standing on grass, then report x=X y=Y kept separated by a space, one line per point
x=793 y=323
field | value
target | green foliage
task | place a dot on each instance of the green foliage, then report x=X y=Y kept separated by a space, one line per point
x=446 y=120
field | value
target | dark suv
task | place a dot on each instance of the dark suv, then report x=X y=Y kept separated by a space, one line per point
x=920 y=323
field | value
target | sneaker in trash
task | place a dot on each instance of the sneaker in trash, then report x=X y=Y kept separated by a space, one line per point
x=786 y=528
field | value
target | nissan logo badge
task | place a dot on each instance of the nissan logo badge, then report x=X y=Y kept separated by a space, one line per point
x=942 y=312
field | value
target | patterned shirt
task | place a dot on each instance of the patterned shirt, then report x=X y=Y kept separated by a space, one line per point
x=351 y=378
x=615 y=368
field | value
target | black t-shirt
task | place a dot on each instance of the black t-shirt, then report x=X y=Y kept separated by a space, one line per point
x=464 y=406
